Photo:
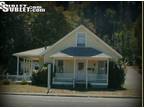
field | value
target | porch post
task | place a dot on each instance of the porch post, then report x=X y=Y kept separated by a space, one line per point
x=24 y=69
x=86 y=74
x=17 y=66
x=74 y=74
x=96 y=66
x=31 y=66
x=26 y=65
x=53 y=64
x=107 y=70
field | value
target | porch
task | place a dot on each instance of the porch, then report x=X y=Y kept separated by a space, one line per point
x=88 y=71
x=81 y=65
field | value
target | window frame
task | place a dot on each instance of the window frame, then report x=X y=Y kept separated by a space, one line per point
x=77 y=37
x=60 y=66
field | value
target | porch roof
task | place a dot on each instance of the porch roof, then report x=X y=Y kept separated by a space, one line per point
x=33 y=52
x=80 y=52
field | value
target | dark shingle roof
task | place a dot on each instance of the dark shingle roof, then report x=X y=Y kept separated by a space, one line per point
x=81 y=51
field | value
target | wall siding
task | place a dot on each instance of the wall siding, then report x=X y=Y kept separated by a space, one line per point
x=70 y=41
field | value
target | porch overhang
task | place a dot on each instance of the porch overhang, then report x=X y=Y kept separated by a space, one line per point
x=85 y=53
x=31 y=53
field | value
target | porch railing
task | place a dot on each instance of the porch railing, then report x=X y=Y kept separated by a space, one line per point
x=16 y=77
x=92 y=77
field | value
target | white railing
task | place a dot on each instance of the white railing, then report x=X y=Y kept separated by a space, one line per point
x=98 y=78
x=63 y=77
x=92 y=77
x=16 y=77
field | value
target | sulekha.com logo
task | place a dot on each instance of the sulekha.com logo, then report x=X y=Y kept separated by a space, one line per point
x=20 y=8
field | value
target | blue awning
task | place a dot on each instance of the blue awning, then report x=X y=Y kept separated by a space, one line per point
x=81 y=51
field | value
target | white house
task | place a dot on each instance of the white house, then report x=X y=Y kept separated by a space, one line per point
x=79 y=57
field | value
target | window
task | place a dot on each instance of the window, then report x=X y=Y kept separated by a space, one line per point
x=80 y=66
x=60 y=65
x=101 y=67
x=81 y=39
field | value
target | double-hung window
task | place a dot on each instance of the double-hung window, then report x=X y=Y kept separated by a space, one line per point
x=81 y=39
x=60 y=66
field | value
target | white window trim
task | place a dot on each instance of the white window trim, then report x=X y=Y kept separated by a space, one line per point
x=77 y=38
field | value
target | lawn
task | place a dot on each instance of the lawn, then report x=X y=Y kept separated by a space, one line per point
x=22 y=88
x=63 y=91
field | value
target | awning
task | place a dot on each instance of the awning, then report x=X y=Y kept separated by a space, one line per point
x=80 y=52
x=61 y=55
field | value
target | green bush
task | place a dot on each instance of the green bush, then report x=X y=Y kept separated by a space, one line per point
x=24 y=82
x=116 y=75
x=40 y=78
x=6 y=82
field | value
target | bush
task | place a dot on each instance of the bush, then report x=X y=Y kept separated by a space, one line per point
x=24 y=82
x=116 y=75
x=40 y=78
x=6 y=82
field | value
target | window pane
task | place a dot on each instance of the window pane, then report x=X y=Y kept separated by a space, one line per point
x=60 y=65
x=80 y=66
x=101 y=66
x=81 y=39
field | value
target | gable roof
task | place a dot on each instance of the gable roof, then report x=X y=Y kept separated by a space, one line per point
x=94 y=35
x=62 y=39
x=33 y=52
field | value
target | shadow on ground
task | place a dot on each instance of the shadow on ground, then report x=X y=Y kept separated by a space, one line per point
x=82 y=88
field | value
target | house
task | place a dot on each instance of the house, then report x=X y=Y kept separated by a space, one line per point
x=79 y=57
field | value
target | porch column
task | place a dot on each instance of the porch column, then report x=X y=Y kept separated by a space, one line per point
x=17 y=66
x=107 y=70
x=31 y=66
x=74 y=74
x=53 y=65
x=86 y=74
x=24 y=66
x=96 y=66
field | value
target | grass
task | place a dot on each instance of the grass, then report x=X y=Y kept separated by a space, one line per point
x=97 y=92
x=22 y=88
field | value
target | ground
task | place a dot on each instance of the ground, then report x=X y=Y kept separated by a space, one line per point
x=132 y=88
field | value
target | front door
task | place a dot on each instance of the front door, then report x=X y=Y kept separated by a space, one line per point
x=80 y=71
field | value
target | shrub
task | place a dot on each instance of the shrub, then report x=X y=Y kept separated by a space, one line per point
x=6 y=82
x=40 y=78
x=24 y=82
x=116 y=75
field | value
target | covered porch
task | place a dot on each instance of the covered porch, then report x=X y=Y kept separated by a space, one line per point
x=73 y=70
x=27 y=63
